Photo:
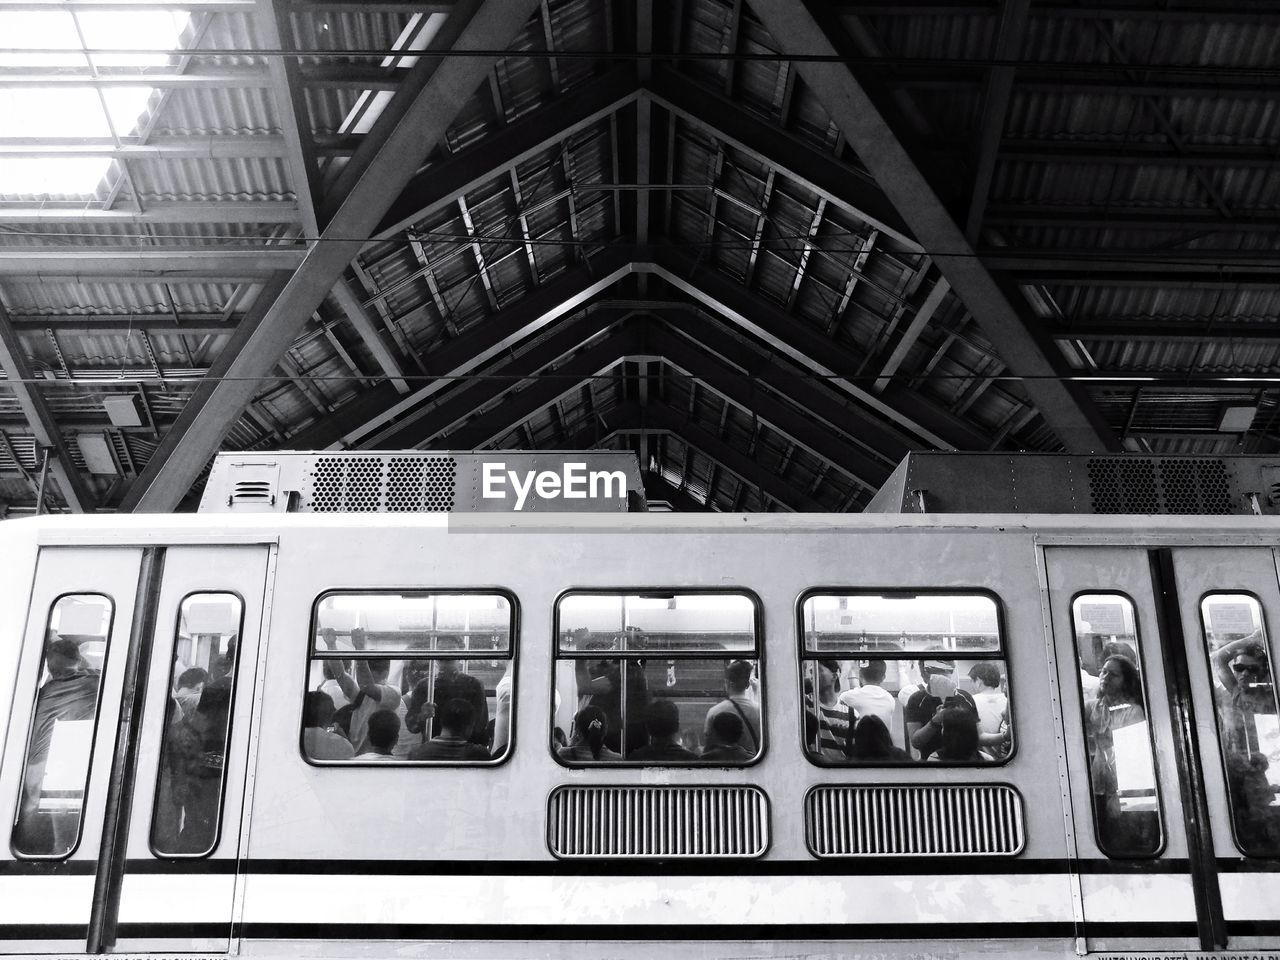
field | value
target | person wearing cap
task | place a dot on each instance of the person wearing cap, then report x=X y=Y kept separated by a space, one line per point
x=938 y=690
x=738 y=701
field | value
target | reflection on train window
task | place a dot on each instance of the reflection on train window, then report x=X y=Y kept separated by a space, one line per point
x=1122 y=774
x=60 y=744
x=657 y=678
x=1245 y=697
x=902 y=678
x=197 y=726
x=411 y=677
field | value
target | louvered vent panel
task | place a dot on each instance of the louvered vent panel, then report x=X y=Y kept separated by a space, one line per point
x=658 y=822
x=252 y=491
x=850 y=821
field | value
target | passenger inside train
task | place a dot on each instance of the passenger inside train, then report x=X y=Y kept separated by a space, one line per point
x=434 y=664
x=870 y=695
x=1248 y=719
x=676 y=666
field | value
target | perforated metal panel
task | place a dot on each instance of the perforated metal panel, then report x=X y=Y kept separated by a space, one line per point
x=420 y=484
x=1123 y=485
x=374 y=484
x=1195 y=486
x=657 y=822
x=1166 y=485
x=854 y=821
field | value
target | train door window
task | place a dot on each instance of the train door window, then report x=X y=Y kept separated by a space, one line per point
x=1122 y=773
x=657 y=678
x=904 y=678
x=60 y=744
x=197 y=728
x=410 y=677
x=1245 y=700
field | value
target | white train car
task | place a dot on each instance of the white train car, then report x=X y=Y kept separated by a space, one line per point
x=175 y=784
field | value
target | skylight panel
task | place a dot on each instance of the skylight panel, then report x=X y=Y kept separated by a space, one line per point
x=38 y=113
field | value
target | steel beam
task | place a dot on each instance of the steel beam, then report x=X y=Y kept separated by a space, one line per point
x=1067 y=410
x=811 y=350
x=184 y=212
x=848 y=188
x=995 y=108
x=350 y=305
x=110 y=78
x=413 y=123
x=500 y=333
x=441 y=184
x=451 y=422
x=147 y=264
x=272 y=21
x=167 y=148
x=734 y=386
x=18 y=376
x=681 y=501
x=909 y=336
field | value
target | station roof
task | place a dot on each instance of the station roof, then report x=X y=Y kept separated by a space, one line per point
x=770 y=246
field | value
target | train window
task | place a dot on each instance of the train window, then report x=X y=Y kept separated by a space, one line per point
x=60 y=744
x=197 y=726
x=1245 y=695
x=1122 y=773
x=904 y=677
x=411 y=677
x=660 y=678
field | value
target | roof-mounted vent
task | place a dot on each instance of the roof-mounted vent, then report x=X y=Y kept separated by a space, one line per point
x=254 y=487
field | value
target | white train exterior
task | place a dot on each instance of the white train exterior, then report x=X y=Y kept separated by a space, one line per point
x=419 y=860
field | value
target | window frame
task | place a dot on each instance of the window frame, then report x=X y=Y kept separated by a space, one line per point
x=231 y=709
x=1217 y=723
x=513 y=655
x=1151 y=733
x=97 y=718
x=758 y=655
x=1001 y=654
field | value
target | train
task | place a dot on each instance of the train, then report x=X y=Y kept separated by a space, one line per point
x=609 y=734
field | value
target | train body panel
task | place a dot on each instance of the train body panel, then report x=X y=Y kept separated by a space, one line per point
x=304 y=856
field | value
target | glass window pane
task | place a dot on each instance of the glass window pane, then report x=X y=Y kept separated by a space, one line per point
x=910 y=623
x=1247 y=714
x=60 y=744
x=440 y=690
x=197 y=727
x=1126 y=802
x=674 y=710
x=403 y=622
x=656 y=622
x=876 y=711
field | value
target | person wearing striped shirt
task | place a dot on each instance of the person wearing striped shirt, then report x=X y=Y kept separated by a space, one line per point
x=828 y=722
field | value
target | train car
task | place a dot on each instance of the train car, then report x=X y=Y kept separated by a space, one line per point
x=615 y=734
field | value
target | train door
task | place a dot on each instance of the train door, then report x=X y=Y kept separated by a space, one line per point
x=1134 y=844
x=60 y=744
x=1228 y=604
x=174 y=885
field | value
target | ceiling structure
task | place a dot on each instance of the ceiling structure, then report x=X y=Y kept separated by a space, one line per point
x=771 y=246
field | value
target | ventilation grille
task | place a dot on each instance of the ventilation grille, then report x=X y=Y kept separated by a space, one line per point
x=409 y=484
x=914 y=821
x=1165 y=486
x=252 y=491
x=658 y=822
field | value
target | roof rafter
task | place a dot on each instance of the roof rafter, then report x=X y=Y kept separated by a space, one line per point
x=414 y=121
x=1066 y=408
x=18 y=376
